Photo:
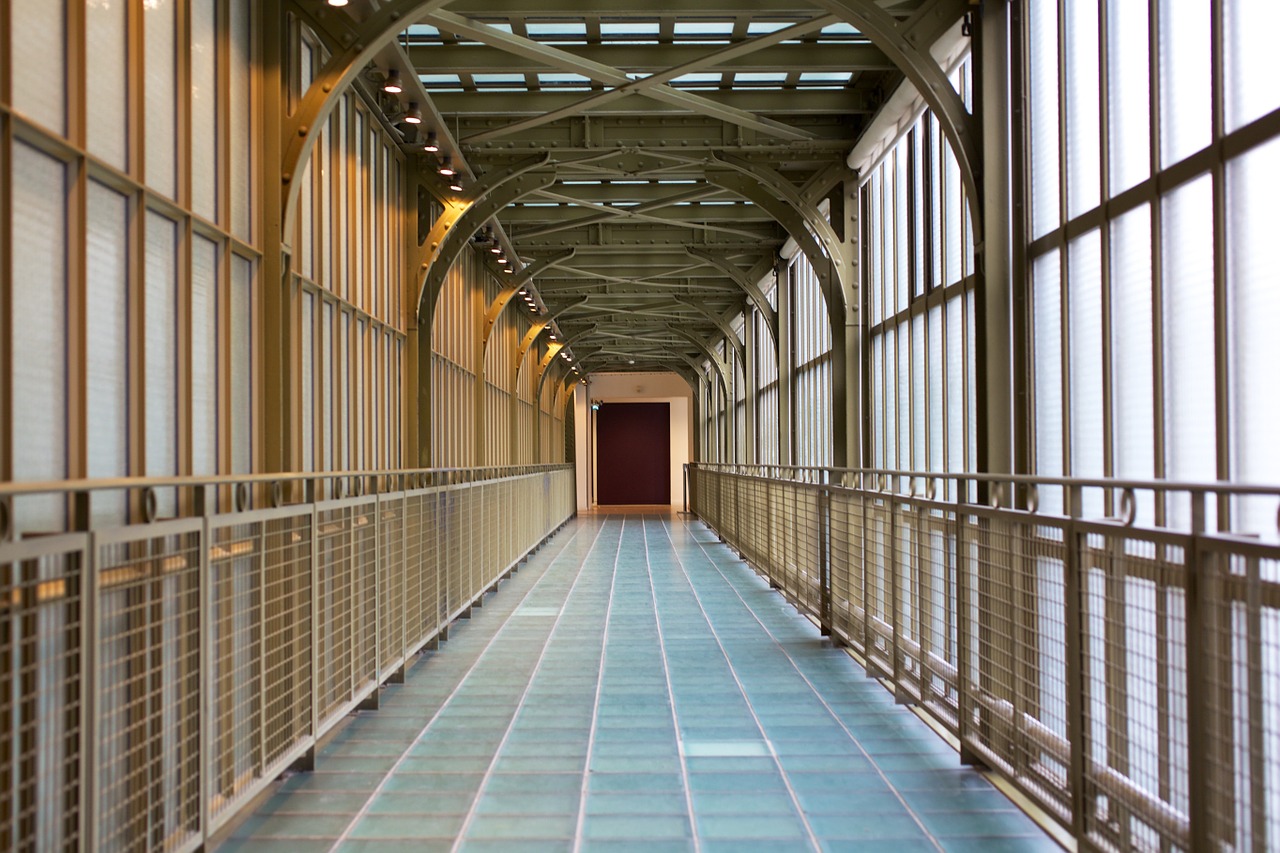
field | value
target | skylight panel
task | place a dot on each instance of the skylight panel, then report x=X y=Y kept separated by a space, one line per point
x=697 y=78
x=557 y=29
x=759 y=28
x=419 y=31
x=760 y=77
x=503 y=26
x=704 y=28
x=619 y=29
x=561 y=79
x=844 y=28
x=825 y=76
x=430 y=80
x=499 y=79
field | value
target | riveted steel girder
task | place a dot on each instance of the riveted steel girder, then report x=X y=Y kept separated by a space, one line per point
x=745 y=283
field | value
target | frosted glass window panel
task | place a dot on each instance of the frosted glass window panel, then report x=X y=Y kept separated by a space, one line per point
x=891 y=434
x=953 y=217
x=328 y=408
x=38 y=53
x=1047 y=357
x=919 y=394
x=919 y=223
x=39 y=354
x=1043 y=105
x=360 y=402
x=204 y=108
x=307 y=343
x=160 y=57
x=107 y=345
x=1251 y=27
x=955 y=385
x=902 y=250
x=1190 y=424
x=107 y=56
x=342 y=393
x=1084 y=121
x=903 y=373
x=242 y=351
x=936 y=406
x=935 y=201
x=1128 y=93
x=1084 y=324
x=970 y=386
x=1185 y=79
x=1133 y=365
x=161 y=342
x=242 y=129
x=204 y=356
x=877 y=401
x=876 y=227
x=1254 y=289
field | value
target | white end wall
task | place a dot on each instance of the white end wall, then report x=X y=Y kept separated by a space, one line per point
x=633 y=388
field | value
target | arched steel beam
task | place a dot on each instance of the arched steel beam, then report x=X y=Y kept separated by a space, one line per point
x=454 y=228
x=830 y=245
x=744 y=283
x=795 y=225
x=739 y=348
x=302 y=129
x=537 y=329
x=518 y=281
x=930 y=80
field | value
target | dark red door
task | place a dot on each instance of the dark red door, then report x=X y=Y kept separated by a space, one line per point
x=633 y=447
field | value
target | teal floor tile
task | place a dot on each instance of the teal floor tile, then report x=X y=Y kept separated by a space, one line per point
x=496 y=734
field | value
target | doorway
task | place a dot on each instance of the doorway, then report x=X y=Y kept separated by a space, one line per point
x=633 y=447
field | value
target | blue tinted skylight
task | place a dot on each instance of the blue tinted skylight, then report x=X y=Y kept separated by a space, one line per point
x=825 y=76
x=696 y=78
x=704 y=28
x=562 y=29
x=759 y=77
x=759 y=28
x=560 y=79
x=507 y=79
x=423 y=31
x=430 y=80
x=629 y=28
x=841 y=29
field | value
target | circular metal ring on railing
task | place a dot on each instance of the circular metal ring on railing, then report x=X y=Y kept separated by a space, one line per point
x=882 y=482
x=931 y=488
x=1128 y=507
x=997 y=495
x=6 y=515
x=912 y=492
x=336 y=486
x=357 y=488
x=1033 y=498
x=242 y=497
x=277 y=494
x=149 y=504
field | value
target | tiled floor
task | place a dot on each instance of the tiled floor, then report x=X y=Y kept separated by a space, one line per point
x=635 y=686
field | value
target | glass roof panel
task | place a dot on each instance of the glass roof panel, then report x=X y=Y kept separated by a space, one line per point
x=628 y=28
x=423 y=31
x=704 y=28
x=702 y=77
x=841 y=29
x=565 y=29
x=825 y=76
x=439 y=79
x=760 y=77
x=508 y=79
x=560 y=78
x=757 y=28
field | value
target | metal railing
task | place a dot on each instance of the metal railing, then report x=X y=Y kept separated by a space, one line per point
x=1104 y=645
x=156 y=676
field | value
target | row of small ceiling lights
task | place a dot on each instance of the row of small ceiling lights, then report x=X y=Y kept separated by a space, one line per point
x=413 y=115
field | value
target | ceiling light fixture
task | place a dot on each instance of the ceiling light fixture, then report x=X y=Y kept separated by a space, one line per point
x=391 y=85
x=432 y=144
x=446 y=168
x=413 y=115
x=337 y=2
x=456 y=184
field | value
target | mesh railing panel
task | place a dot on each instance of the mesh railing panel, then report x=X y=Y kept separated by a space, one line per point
x=1126 y=679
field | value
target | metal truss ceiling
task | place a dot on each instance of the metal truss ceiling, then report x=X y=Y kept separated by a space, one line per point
x=633 y=105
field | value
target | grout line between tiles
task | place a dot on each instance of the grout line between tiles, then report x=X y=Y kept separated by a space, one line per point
x=364 y=809
x=816 y=692
x=524 y=695
x=786 y=779
x=595 y=708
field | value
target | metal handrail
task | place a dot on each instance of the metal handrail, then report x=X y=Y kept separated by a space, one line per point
x=156 y=676
x=1122 y=673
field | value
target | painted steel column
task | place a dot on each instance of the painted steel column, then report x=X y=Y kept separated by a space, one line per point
x=748 y=453
x=277 y=338
x=995 y=316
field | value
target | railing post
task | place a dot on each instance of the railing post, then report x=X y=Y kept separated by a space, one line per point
x=824 y=560
x=1203 y=657
x=1077 y=715
x=965 y=631
x=89 y=713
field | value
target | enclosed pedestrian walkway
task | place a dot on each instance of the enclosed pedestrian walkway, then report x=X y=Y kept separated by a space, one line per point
x=635 y=685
